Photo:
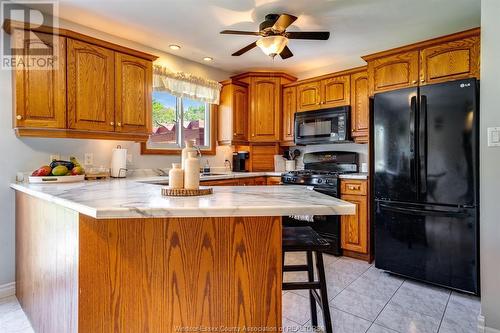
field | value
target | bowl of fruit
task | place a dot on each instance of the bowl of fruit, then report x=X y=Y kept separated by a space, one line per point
x=59 y=172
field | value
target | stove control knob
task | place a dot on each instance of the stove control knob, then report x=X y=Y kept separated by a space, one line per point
x=320 y=181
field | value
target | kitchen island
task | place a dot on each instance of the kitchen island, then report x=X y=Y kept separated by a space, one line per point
x=117 y=256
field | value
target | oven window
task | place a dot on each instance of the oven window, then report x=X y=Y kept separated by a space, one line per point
x=322 y=127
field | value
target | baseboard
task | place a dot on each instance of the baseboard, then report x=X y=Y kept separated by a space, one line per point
x=8 y=289
x=481 y=328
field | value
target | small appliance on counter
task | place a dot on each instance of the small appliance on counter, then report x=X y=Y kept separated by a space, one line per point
x=321 y=171
x=119 y=162
x=240 y=161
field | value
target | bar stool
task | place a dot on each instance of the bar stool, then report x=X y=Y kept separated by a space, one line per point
x=305 y=239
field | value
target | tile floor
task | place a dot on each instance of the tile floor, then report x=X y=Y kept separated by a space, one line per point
x=365 y=299
x=362 y=299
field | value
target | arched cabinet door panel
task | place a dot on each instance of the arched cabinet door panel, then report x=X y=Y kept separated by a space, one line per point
x=133 y=102
x=40 y=90
x=90 y=87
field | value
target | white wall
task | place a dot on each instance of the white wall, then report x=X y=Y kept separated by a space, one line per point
x=490 y=164
x=361 y=149
x=29 y=153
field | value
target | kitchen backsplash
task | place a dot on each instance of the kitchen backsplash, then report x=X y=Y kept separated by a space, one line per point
x=361 y=149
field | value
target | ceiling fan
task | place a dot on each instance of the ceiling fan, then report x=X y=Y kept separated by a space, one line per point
x=274 y=37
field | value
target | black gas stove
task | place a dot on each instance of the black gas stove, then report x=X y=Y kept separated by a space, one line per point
x=321 y=171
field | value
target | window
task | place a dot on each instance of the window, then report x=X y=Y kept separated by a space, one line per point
x=176 y=120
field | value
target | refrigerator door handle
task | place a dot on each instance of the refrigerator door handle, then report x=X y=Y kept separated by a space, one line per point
x=422 y=142
x=413 y=115
x=417 y=211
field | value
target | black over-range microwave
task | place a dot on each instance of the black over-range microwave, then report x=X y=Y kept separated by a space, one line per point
x=323 y=126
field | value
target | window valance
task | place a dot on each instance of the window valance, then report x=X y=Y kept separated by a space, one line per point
x=186 y=85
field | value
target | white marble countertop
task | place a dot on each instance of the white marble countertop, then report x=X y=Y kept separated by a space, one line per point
x=360 y=175
x=129 y=198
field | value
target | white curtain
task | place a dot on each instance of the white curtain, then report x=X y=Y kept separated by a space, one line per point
x=186 y=85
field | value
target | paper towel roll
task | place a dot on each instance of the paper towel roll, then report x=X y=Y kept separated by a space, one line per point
x=119 y=163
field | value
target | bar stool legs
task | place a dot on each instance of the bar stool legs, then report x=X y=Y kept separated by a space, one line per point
x=327 y=318
x=310 y=278
x=313 y=286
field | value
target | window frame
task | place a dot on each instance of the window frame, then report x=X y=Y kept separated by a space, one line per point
x=211 y=112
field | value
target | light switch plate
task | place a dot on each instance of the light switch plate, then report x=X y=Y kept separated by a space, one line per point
x=493 y=136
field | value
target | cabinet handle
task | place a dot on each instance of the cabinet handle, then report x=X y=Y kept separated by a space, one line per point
x=112 y=123
x=414 y=81
x=19 y=117
x=422 y=80
x=119 y=124
x=353 y=187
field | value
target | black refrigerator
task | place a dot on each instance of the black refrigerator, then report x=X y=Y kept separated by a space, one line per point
x=425 y=187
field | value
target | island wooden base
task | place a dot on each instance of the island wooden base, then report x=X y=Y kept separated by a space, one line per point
x=79 y=274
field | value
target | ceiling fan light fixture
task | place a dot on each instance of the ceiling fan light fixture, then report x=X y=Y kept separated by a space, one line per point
x=272 y=45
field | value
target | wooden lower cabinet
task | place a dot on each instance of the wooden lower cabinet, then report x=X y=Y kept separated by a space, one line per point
x=273 y=180
x=250 y=181
x=222 y=182
x=355 y=229
x=76 y=274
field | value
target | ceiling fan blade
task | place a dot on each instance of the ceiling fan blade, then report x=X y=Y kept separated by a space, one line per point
x=283 y=22
x=286 y=53
x=314 y=35
x=245 y=49
x=236 y=32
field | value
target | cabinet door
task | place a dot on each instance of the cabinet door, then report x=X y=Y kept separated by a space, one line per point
x=133 y=102
x=90 y=87
x=240 y=113
x=335 y=91
x=354 y=228
x=265 y=119
x=450 y=61
x=289 y=107
x=393 y=72
x=273 y=181
x=40 y=94
x=359 y=105
x=260 y=181
x=308 y=96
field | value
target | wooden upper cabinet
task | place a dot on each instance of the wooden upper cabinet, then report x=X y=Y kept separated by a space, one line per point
x=335 y=91
x=308 y=96
x=450 y=61
x=360 y=106
x=40 y=94
x=289 y=107
x=240 y=113
x=233 y=113
x=265 y=113
x=90 y=87
x=133 y=101
x=393 y=72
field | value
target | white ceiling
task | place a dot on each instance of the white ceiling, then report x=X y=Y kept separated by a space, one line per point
x=357 y=27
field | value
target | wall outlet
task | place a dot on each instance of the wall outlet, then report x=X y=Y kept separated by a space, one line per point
x=493 y=136
x=88 y=159
x=54 y=157
x=129 y=158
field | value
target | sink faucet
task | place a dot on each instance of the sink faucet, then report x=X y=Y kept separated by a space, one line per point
x=198 y=150
x=160 y=172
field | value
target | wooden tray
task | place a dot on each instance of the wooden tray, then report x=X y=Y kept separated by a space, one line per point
x=97 y=176
x=170 y=192
x=56 y=179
